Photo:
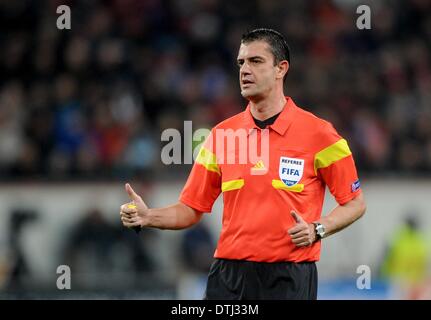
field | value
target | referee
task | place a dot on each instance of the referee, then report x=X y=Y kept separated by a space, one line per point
x=272 y=224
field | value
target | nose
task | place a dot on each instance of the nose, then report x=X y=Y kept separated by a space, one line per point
x=245 y=69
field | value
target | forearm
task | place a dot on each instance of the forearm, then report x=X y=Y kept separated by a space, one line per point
x=343 y=215
x=174 y=217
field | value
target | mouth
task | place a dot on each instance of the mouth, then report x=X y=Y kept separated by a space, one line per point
x=246 y=83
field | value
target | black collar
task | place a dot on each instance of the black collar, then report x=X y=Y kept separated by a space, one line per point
x=263 y=123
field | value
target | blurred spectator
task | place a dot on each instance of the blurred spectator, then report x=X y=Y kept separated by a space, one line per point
x=406 y=261
x=11 y=124
x=198 y=249
x=19 y=273
x=96 y=250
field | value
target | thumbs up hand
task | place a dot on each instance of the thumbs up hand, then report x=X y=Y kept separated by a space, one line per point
x=134 y=214
x=303 y=233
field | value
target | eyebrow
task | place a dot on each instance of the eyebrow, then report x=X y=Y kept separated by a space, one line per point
x=251 y=58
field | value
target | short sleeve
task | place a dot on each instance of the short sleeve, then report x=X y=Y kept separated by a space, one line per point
x=335 y=165
x=203 y=185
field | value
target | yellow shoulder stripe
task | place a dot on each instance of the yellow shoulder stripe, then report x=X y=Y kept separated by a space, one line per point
x=208 y=160
x=278 y=184
x=232 y=185
x=331 y=154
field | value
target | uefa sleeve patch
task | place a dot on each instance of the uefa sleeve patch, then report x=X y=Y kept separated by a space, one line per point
x=356 y=185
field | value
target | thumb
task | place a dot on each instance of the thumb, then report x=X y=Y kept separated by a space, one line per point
x=296 y=216
x=132 y=194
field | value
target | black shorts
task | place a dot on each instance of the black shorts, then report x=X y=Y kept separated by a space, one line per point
x=247 y=280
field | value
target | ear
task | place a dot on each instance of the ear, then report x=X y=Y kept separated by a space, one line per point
x=282 y=68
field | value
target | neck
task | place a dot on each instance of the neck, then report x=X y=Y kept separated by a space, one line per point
x=268 y=107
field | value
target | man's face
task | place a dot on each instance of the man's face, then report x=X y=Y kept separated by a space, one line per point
x=257 y=73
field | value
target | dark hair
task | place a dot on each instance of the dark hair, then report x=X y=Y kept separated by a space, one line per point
x=279 y=47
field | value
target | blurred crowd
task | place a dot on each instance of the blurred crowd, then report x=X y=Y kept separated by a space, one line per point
x=91 y=102
x=103 y=255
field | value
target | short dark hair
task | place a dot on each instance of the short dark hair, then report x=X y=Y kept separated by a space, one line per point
x=279 y=47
